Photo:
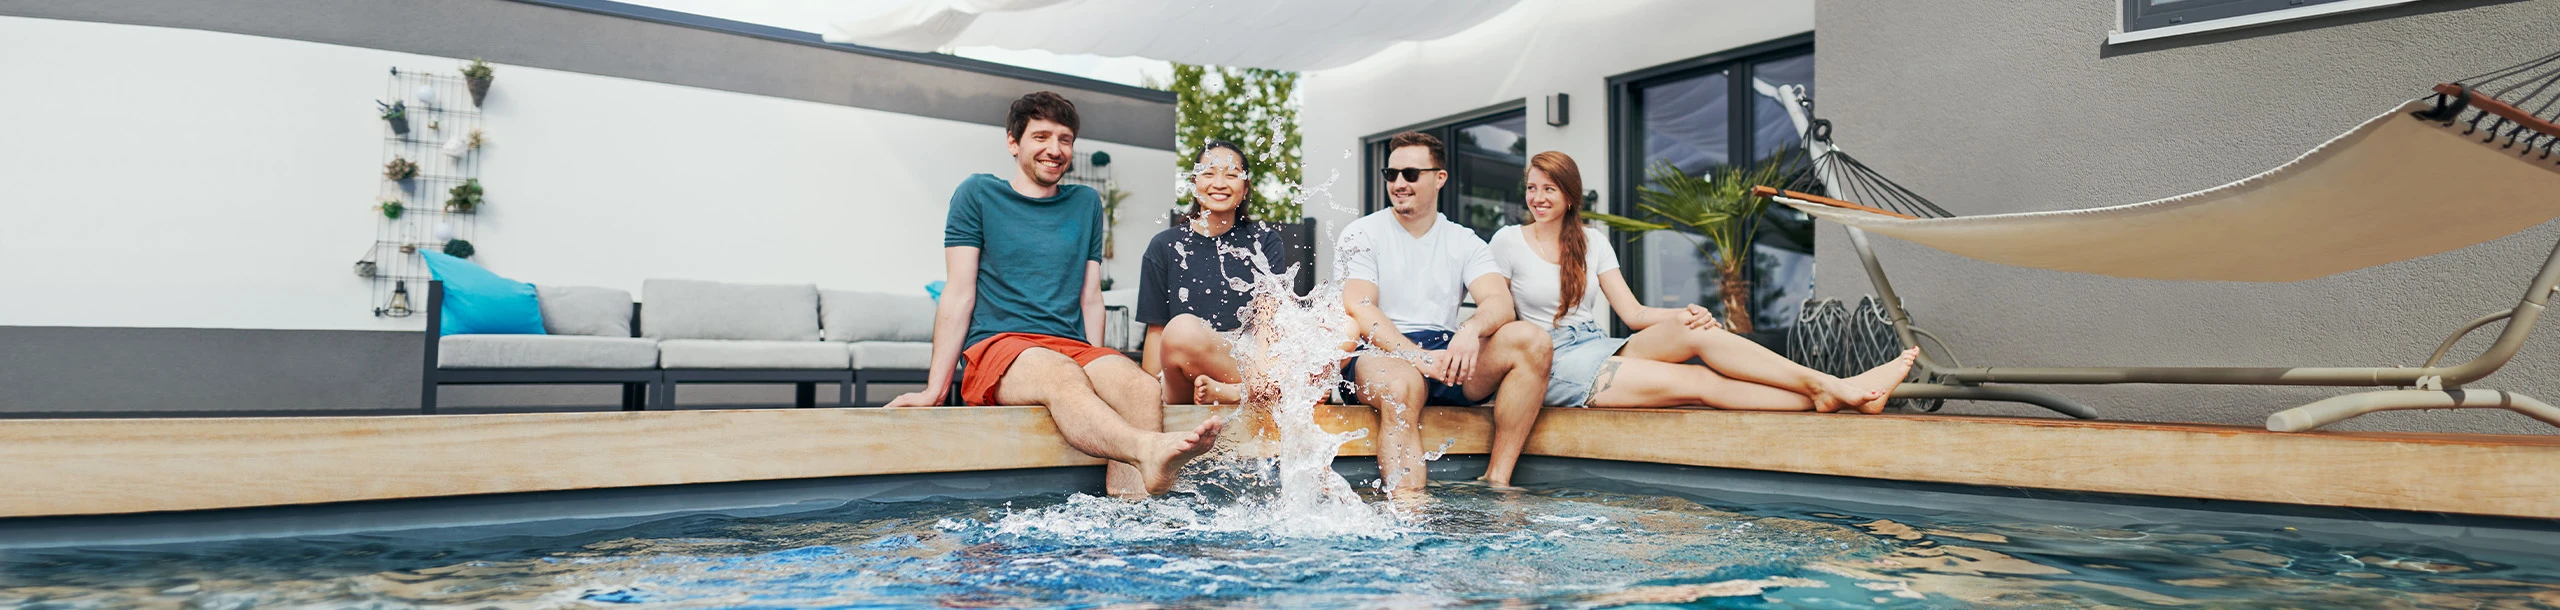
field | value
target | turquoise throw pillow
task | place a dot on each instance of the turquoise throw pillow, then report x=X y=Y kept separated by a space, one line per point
x=477 y=302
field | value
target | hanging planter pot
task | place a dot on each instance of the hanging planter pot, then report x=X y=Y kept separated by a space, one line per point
x=465 y=199
x=477 y=75
x=426 y=95
x=397 y=114
x=400 y=170
x=459 y=249
x=456 y=145
x=391 y=209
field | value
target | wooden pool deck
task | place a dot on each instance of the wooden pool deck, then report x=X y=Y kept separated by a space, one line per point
x=115 y=466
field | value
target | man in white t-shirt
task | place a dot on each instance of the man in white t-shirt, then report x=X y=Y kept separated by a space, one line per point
x=1406 y=270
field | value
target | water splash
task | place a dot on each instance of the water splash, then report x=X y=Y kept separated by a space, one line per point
x=1289 y=350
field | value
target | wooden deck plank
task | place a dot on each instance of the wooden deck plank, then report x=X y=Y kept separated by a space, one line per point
x=112 y=466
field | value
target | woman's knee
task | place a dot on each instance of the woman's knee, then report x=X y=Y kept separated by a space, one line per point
x=1189 y=336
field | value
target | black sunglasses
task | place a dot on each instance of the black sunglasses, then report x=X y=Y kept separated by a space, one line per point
x=1411 y=174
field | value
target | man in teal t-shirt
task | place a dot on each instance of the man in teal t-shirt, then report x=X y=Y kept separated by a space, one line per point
x=1031 y=276
x=1024 y=306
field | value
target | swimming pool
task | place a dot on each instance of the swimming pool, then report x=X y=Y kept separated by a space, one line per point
x=1588 y=533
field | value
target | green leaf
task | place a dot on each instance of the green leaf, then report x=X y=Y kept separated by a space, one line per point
x=1625 y=224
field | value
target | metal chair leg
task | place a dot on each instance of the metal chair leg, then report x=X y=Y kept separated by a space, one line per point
x=2051 y=402
x=805 y=395
x=2335 y=409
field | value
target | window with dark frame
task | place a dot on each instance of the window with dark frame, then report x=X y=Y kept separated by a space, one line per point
x=1487 y=150
x=1697 y=116
x=2142 y=15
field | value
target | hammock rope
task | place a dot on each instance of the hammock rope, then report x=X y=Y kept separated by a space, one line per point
x=2492 y=96
x=1851 y=180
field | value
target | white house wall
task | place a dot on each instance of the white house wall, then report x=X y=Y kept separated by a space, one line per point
x=183 y=192
x=161 y=177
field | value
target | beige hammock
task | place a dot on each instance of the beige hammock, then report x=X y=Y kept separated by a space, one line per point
x=2415 y=181
x=2395 y=188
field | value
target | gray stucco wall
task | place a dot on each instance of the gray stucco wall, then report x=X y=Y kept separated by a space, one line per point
x=1998 y=106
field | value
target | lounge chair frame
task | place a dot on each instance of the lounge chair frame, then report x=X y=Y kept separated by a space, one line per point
x=2427 y=386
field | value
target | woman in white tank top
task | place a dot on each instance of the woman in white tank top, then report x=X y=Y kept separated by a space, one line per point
x=1591 y=368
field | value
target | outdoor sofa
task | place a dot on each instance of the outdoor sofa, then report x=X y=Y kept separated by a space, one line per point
x=697 y=333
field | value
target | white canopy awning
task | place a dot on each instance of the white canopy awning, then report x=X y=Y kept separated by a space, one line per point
x=1277 y=34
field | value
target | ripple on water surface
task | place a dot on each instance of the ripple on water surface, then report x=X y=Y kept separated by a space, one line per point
x=1556 y=547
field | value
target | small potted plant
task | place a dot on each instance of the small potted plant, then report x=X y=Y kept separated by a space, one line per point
x=391 y=209
x=400 y=170
x=458 y=248
x=465 y=198
x=477 y=75
x=478 y=138
x=397 y=114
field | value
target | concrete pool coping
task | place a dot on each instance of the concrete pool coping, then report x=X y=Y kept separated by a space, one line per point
x=67 y=467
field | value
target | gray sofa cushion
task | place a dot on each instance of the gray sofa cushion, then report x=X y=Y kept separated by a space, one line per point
x=877 y=355
x=686 y=309
x=708 y=354
x=585 y=310
x=847 y=315
x=545 y=352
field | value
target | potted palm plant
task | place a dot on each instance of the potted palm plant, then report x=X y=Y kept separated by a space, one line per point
x=1721 y=209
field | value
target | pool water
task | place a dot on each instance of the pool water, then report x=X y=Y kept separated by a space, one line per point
x=1585 y=544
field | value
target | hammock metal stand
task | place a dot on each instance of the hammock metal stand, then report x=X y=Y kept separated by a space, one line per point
x=2430 y=385
x=2426 y=387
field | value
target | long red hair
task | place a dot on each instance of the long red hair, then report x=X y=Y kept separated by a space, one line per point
x=1573 y=244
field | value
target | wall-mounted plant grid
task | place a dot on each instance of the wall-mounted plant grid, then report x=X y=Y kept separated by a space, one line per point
x=438 y=110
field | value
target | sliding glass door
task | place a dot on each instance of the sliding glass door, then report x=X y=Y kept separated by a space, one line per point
x=1696 y=117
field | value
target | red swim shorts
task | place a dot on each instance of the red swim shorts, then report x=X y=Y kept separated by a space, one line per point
x=989 y=359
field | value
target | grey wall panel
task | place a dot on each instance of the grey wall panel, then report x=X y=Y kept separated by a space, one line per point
x=71 y=370
x=1997 y=106
x=508 y=32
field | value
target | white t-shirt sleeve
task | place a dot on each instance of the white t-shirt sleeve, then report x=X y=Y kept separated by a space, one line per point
x=1500 y=248
x=1479 y=257
x=1602 y=257
x=1359 y=260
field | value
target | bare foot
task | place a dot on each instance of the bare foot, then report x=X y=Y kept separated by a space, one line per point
x=1172 y=450
x=1880 y=381
x=1207 y=391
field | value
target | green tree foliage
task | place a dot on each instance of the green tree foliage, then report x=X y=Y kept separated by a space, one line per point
x=1253 y=107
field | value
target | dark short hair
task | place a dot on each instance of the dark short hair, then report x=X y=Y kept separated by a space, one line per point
x=1045 y=105
x=1416 y=138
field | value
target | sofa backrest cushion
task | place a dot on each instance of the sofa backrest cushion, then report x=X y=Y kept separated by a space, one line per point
x=585 y=310
x=689 y=309
x=848 y=315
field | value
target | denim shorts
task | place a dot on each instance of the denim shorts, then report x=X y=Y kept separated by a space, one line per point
x=1580 y=350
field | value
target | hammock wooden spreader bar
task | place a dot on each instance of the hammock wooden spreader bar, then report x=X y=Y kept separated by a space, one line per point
x=2415 y=181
